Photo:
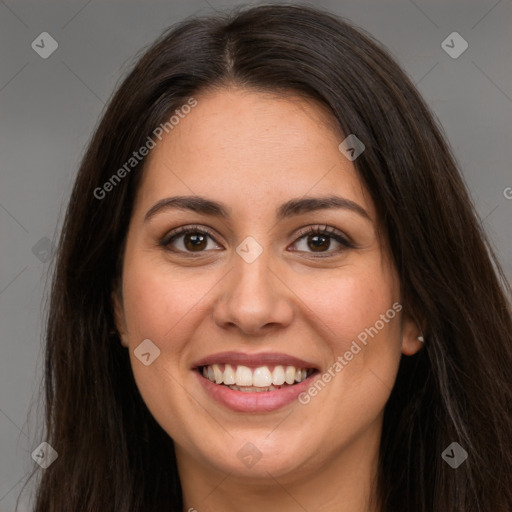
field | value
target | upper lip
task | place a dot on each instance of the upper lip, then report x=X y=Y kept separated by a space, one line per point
x=258 y=359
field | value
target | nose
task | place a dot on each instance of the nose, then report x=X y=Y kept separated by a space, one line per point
x=253 y=298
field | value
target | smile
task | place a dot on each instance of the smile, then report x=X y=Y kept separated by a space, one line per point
x=256 y=383
x=250 y=380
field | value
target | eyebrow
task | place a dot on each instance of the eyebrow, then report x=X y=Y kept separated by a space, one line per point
x=289 y=209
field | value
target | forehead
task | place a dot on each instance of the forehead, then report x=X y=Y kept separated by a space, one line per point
x=252 y=148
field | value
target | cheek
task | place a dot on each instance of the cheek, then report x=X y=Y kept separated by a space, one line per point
x=349 y=305
x=156 y=302
x=360 y=321
x=161 y=307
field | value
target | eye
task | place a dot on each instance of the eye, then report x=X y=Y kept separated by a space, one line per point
x=194 y=239
x=319 y=240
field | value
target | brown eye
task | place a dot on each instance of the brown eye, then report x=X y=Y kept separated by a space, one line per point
x=188 y=240
x=320 y=241
x=195 y=241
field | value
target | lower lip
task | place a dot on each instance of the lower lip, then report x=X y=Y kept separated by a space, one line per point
x=264 y=401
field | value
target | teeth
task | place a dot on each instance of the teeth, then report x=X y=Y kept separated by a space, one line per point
x=289 y=375
x=218 y=375
x=243 y=378
x=229 y=375
x=278 y=376
x=262 y=378
x=252 y=389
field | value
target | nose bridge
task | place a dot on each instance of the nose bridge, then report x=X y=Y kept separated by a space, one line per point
x=253 y=297
x=252 y=285
x=252 y=269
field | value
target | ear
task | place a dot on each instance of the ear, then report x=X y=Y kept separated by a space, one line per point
x=119 y=316
x=411 y=336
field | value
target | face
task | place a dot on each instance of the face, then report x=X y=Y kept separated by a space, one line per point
x=273 y=284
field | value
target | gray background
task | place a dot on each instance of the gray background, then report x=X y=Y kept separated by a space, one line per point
x=49 y=108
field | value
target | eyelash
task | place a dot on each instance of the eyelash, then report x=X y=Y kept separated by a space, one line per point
x=312 y=230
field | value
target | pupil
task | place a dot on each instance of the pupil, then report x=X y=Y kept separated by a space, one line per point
x=196 y=241
x=317 y=242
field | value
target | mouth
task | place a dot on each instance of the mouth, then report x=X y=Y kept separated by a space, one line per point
x=259 y=379
x=254 y=383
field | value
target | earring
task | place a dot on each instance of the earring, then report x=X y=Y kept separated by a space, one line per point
x=420 y=338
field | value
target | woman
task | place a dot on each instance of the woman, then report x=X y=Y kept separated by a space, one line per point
x=272 y=291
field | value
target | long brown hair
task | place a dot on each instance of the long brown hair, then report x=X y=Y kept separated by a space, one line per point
x=112 y=453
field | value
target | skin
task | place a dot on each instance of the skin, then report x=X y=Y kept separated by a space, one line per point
x=253 y=151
